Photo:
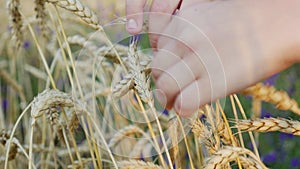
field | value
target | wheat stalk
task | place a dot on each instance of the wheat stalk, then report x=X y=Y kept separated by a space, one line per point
x=269 y=94
x=270 y=124
x=135 y=164
x=14 y=84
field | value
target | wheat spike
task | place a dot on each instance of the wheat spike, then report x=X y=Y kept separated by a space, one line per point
x=50 y=102
x=224 y=134
x=228 y=154
x=269 y=94
x=79 y=9
x=138 y=149
x=16 y=21
x=135 y=164
x=103 y=51
x=249 y=163
x=41 y=15
x=270 y=124
x=73 y=122
x=205 y=135
x=4 y=137
x=141 y=81
x=83 y=42
x=126 y=131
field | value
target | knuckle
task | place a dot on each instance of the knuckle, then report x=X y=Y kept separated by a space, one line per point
x=167 y=83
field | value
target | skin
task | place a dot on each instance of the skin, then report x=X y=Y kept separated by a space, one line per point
x=211 y=49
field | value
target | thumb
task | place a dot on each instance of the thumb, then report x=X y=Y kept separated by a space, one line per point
x=134 y=15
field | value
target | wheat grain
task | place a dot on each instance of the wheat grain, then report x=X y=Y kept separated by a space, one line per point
x=269 y=94
x=123 y=86
x=270 y=124
x=135 y=164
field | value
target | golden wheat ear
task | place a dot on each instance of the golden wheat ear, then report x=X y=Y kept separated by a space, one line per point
x=269 y=94
x=16 y=21
x=135 y=164
x=270 y=125
x=79 y=9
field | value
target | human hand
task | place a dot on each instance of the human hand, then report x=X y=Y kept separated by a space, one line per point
x=212 y=49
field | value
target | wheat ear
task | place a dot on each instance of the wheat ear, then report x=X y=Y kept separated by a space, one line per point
x=16 y=21
x=126 y=131
x=49 y=101
x=204 y=134
x=270 y=124
x=228 y=154
x=79 y=9
x=41 y=15
x=269 y=94
x=136 y=164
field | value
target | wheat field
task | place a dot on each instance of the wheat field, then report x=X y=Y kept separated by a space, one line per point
x=76 y=92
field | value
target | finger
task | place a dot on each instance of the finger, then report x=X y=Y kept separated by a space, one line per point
x=134 y=15
x=165 y=57
x=176 y=78
x=161 y=14
x=192 y=97
x=206 y=89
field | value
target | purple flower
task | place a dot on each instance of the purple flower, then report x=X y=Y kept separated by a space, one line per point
x=202 y=117
x=271 y=80
x=165 y=112
x=250 y=145
x=265 y=114
x=295 y=162
x=26 y=44
x=270 y=157
x=4 y=104
x=284 y=136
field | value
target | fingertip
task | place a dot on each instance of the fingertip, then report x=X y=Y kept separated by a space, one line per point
x=134 y=25
x=134 y=16
x=182 y=111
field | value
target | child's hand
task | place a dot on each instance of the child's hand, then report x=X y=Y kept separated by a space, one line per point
x=135 y=16
x=216 y=48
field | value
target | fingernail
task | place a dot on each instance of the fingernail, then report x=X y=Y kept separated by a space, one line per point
x=132 y=24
